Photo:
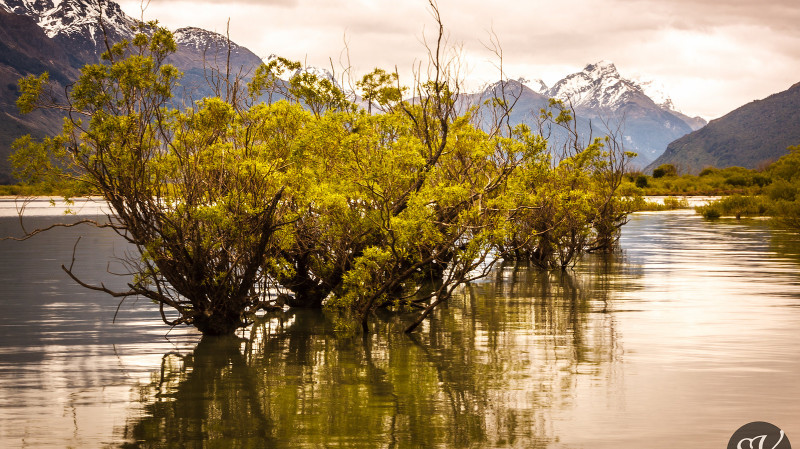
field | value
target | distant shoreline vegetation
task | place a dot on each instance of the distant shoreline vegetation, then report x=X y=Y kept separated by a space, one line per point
x=771 y=192
x=711 y=181
x=64 y=189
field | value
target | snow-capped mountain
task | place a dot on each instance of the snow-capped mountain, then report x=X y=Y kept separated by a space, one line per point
x=199 y=39
x=650 y=118
x=79 y=23
x=597 y=86
x=202 y=53
x=76 y=20
x=600 y=86
x=603 y=98
x=198 y=48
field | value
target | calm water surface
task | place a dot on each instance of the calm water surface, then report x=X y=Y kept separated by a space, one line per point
x=687 y=334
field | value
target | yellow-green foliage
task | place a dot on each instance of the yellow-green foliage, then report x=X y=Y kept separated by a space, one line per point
x=782 y=194
x=231 y=197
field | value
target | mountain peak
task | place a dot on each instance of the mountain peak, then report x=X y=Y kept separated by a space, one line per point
x=598 y=85
x=601 y=68
x=657 y=92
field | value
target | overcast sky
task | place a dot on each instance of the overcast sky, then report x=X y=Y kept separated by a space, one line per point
x=711 y=55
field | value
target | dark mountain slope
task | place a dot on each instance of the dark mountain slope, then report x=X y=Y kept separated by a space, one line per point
x=26 y=50
x=750 y=136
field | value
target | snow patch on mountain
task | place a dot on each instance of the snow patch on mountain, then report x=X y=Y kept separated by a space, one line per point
x=657 y=92
x=318 y=72
x=198 y=38
x=534 y=84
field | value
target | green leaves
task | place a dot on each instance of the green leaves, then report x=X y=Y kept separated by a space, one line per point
x=380 y=88
x=30 y=88
x=32 y=162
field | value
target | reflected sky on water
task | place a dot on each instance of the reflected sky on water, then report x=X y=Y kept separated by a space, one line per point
x=687 y=334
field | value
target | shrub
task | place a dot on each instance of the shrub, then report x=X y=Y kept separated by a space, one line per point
x=665 y=170
x=672 y=203
x=669 y=203
x=761 y=180
x=710 y=212
x=738 y=181
x=782 y=190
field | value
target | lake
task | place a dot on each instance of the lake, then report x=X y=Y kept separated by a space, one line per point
x=689 y=332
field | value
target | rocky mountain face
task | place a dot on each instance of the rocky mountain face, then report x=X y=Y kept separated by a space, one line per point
x=605 y=102
x=61 y=36
x=598 y=86
x=751 y=136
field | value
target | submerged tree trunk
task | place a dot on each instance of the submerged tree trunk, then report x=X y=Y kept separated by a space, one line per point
x=218 y=323
x=307 y=299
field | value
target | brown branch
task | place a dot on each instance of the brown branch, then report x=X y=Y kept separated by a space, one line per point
x=53 y=226
x=101 y=288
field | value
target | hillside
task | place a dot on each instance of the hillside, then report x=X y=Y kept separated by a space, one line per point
x=751 y=136
x=61 y=37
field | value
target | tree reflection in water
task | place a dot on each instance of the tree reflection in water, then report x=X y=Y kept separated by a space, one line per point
x=489 y=370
